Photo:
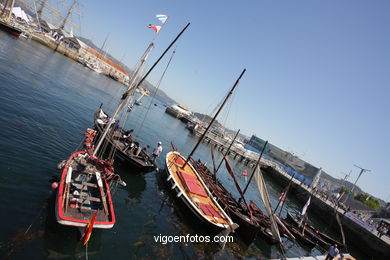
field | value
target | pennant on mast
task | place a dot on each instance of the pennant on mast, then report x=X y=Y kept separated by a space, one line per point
x=162 y=18
x=155 y=28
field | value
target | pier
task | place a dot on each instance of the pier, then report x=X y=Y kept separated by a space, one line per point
x=247 y=157
x=355 y=233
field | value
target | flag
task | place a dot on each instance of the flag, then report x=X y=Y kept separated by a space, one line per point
x=88 y=229
x=282 y=197
x=306 y=206
x=162 y=17
x=156 y=28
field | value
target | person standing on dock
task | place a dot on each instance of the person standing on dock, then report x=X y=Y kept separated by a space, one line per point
x=332 y=252
x=157 y=151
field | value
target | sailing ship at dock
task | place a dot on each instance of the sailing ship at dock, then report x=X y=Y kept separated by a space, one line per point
x=125 y=147
x=250 y=226
x=128 y=150
x=5 y=19
x=90 y=172
x=190 y=187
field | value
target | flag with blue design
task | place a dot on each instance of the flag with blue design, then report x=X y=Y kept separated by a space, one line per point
x=162 y=17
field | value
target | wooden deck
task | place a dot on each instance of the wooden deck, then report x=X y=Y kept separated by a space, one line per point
x=81 y=194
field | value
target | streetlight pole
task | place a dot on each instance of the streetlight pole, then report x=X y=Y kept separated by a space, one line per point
x=362 y=170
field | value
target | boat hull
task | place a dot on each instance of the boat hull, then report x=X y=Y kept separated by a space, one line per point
x=10 y=29
x=182 y=195
x=68 y=209
x=173 y=112
x=247 y=230
x=317 y=237
x=139 y=164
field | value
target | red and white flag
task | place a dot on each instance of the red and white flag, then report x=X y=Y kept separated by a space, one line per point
x=88 y=229
x=282 y=197
x=156 y=28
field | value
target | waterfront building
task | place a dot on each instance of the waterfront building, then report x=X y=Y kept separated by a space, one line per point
x=258 y=144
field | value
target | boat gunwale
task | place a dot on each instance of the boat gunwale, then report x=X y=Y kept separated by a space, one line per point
x=59 y=209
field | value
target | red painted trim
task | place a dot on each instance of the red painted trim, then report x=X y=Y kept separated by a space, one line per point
x=61 y=192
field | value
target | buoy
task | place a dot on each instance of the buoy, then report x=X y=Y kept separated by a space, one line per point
x=54 y=185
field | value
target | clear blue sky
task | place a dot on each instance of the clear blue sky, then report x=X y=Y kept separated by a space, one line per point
x=318 y=72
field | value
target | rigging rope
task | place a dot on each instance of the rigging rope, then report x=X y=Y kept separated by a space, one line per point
x=155 y=91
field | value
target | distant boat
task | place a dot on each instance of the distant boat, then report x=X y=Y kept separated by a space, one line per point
x=178 y=111
x=94 y=66
x=144 y=92
x=10 y=29
x=313 y=234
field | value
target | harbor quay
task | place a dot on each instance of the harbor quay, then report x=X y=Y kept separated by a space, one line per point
x=325 y=210
x=247 y=157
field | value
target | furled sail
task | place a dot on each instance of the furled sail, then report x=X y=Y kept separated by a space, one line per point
x=265 y=198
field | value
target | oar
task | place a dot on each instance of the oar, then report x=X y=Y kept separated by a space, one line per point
x=103 y=196
x=67 y=186
x=213 y=158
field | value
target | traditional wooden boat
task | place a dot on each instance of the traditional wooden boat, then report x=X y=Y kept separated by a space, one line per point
x=299 y=235
x=191 y=189
x=251 y=223
x=248 y=226
x=320 y=238
x=84 y=189
x=127 y=151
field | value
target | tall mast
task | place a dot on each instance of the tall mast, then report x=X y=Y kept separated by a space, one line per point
x=227 y=151
x=7 y=10
x=43 y=3
x=257 y=165
x=212 y=121
x=124 y=101
x=132 y=86
x=67 y=15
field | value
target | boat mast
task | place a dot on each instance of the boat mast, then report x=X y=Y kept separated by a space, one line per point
x=124 y=101
x=43 y=3
x=257 y=165
x=227 y=151
x=212 y=121
x=7 y=10
x=67 y=15
x=133 y=86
